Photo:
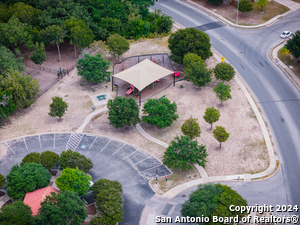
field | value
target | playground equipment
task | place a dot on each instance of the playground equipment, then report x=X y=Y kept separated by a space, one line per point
x=130 y=90
x=176 y=74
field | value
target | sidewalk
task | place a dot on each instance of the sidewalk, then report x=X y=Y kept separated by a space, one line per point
x=293 y=6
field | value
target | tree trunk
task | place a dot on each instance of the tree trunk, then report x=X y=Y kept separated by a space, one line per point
x=59 y=56
x=211 y=126
x=220 y=145
x=221 y=103
x=75 y=50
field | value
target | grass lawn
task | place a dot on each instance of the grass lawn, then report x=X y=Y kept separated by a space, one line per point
x=290 y=61
x=271 y=10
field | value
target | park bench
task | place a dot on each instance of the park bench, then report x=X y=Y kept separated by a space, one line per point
x=101 y=97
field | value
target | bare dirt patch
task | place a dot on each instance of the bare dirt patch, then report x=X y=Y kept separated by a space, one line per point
x=236 y=116
x=250 y=18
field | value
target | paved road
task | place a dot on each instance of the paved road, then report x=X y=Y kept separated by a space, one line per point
x=248 y=52
x=112 y=159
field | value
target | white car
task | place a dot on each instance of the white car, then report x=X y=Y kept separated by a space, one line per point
x=286 y=34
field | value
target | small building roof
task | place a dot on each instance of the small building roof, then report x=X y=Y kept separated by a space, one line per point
x=34 y=199
x=143 y=74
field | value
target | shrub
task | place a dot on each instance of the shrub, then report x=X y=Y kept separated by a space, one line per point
x=191 y=128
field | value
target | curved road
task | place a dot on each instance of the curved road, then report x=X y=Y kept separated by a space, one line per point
x=248 y=51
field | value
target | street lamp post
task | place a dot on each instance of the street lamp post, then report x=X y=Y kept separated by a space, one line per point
x=237 y=12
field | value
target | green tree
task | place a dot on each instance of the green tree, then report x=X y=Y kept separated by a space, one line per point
x=160 y=112
x=74 y=180
x=73 y=159
x=261 y=4
x=215 y=2
x=224 y=71
x=109 y=202
x=2 y=180
x=293 y=44
x=7 y=105
x=223 y=92
x=212 y=200
x=189 y=40
x=15 y=213
x=58 y=107
x=29 y=177
x=183 y=153
x=54 y=35
x=117 y=45
x=245 y=6
x=227 y=198
x=93 y=68
x=66 y=207
x=25 y=13
x=191 y=128
x=9 y=61
x=202 y=202
x=197 y=73
x=15 y=34
x=211 y=115
x=49 y=159
x=122 y=112
x=38 y=56
x=220 y=134
x=31 y=157
x=24 y=89
x=79 y=33
x=191 y=57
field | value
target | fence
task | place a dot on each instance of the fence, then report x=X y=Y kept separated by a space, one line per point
x=162 y=59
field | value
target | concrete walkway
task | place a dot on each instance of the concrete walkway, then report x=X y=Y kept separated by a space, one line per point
x=293 y=6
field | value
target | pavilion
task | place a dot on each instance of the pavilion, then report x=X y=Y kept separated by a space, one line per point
x=34 y=199
x=143 y=74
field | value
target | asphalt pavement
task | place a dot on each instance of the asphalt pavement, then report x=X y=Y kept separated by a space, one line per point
x=248 y=51
x=112 y=159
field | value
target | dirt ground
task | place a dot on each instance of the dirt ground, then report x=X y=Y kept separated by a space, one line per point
x=244 y=152
x=250 y=18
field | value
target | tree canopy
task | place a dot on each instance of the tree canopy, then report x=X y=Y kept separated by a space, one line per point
x=245 y=6
x=189 y=40
x=29 y=177
x=31 y=157
x=93 y=68
x=73 y=159
x=9 y=61
x=220 y=134
x=117 y=45
x=183 y=153
x=79 y=33
x=66 y=207
x=16 y=213
x=223 y=91
x=58 y=107
x=23 y=89
x=160 y=112
x=109 y=202
x=293 y=44
x=224 y=71
x=261 y=4
x=197 y=73
x=211 y=115
x=49 y=159
x=191 y=57
x=212 y=200
x=2 y=180
x=122 y=112
x=7 y=104
x=191 y=128
x=74 y=180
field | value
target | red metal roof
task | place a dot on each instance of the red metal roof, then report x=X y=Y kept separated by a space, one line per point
x=34 y=199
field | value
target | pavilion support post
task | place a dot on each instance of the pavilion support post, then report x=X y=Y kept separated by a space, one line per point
x=163 y=58
x=138 y=59
x=112 y=83
x=140 y=97
x=174 y=79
